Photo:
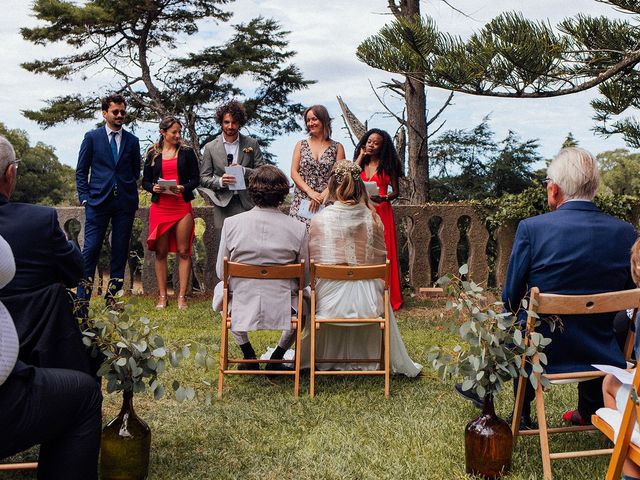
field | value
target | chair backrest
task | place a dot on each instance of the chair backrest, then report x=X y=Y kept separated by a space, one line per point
x=550 y=303
x=265 y=272
x=555 y=304
x=349 y=272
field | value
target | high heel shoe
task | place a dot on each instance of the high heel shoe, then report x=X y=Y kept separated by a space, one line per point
x=162 y=303
x=182 y=302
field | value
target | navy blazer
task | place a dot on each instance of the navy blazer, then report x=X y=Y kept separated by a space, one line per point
x=97 y=173
x=42 y=252
x=574 y=250
x=188 y=172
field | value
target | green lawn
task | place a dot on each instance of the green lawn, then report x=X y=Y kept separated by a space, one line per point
x=348 y=431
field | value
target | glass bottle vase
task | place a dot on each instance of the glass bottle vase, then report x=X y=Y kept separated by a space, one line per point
x=126 y=445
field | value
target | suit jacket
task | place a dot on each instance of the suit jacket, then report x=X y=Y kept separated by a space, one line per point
x=188 y=172
x=214 y=159
x=574 y=250
x=262 y=236
x=97 y=173
x=42 y=253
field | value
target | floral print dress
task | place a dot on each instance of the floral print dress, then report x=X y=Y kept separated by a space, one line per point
x=314 y=172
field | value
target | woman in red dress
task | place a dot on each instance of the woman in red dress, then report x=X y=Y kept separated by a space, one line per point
x=378 y=159
x=171 y=223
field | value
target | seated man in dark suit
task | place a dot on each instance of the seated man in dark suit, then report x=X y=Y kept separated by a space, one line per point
x=45 y=263
x=56 y=408
x=575 y=249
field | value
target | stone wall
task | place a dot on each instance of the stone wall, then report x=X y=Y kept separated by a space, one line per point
x=442 y=237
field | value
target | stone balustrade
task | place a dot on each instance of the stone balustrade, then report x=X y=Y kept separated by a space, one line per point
x=433 y=240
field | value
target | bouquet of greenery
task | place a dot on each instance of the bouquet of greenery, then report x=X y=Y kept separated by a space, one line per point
x=494 y=341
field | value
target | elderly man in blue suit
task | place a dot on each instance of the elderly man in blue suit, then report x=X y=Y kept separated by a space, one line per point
x=106 y=177
x=575 y=249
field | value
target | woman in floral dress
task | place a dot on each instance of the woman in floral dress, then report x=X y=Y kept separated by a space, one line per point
x=313 y=159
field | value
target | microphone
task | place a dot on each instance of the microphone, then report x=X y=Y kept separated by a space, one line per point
x=229 y=158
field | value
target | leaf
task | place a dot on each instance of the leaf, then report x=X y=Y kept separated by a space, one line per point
x=210 y=363
x=517 y=337
x=537 y=368
x=542 y=357
x=159 y=392
x=121 y=362
x=159 y=352
x=467 y=385
x=464 y=269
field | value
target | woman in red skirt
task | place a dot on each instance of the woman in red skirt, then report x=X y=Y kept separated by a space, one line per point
x=378 y=159
x=171 y=223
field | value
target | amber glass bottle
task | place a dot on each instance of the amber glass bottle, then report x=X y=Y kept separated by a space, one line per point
x=488 y=443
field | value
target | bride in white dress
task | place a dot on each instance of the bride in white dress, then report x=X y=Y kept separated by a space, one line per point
x=349 y=232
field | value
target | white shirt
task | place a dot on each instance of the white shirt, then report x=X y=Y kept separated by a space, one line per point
x=118 y=136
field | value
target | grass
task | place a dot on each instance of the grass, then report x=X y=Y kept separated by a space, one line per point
x=348 y=431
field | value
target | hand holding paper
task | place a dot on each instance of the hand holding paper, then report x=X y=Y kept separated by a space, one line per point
x=238 y=172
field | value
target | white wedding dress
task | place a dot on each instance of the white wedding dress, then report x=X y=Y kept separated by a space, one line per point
x=352 y=235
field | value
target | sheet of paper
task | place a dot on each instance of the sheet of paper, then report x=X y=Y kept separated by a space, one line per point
x=238 y=172
x=372 y=188
x=624 y=376
x=304 y=211
x=165 y=184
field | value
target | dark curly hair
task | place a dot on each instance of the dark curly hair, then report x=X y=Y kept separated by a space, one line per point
x=268 y=186
x=111 y=98
x=233 y=108
x=389 y=160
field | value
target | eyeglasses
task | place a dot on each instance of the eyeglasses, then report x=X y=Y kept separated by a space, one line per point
x=118 y=112
x=15 y=162
x=546 y=181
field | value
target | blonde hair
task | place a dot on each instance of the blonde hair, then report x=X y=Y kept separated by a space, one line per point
x=574 y=170
x=635 y=262
x=346 y=185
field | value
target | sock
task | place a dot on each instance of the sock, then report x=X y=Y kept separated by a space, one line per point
x=247 y=351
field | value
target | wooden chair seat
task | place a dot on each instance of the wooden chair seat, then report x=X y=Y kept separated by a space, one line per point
x=273 y=272
x=541 y=304
x=350 y=273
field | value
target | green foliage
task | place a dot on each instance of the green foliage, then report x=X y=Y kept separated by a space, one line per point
x=135 y=40
x=511 y=208
x=136 y=355
x=515 y=57
x=42 y=179
x=619 y=172
x=495 y=342
x=471 y=165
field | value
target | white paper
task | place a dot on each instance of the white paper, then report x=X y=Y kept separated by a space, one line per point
x=238 y=172
x=304 y=211
x=624 y=376
x=165 y=184
x=372 y=188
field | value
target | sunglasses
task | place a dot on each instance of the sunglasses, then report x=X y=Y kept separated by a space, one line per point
x=118 y=112
x=546 y=181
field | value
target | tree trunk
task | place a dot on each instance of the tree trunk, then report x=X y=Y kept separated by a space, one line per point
x=416 y=101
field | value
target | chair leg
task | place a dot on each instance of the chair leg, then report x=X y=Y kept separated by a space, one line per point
x=517 y=408
x=296 y=384
x=386 y=359
x=312 y=360
x=224 y=344
x=544 y=436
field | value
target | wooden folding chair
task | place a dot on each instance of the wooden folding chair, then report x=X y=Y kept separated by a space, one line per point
x=350 y=273
x=552 y=304
x=275 y=272
x=4 y=467
x=623 y=447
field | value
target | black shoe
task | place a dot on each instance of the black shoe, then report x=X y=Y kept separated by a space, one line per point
x=249 y=366
x=249 y=354
x=469 y=395
x=277 y=366
x=525 y=422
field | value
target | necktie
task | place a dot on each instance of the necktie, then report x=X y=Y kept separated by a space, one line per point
x=114 y=147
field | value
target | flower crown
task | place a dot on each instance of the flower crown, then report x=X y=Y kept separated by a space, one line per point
x=346 y=168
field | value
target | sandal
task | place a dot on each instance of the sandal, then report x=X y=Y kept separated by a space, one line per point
x=182 y=302
x=162 y=303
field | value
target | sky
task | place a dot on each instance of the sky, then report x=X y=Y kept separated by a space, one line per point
x=325 y=39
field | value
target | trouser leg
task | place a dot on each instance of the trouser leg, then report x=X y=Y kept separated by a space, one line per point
x=240 y=337
x=95 y=227
x=121 y=227
x=589 y=398
x=59 y=409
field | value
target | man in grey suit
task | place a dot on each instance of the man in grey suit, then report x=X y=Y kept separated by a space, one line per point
x=263 y=236
x=229 y=148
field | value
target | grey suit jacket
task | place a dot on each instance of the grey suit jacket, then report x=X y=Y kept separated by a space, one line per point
x=261 y=236
x=214 y=159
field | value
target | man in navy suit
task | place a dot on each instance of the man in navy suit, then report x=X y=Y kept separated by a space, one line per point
x=575 y=249
x=106 y=177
